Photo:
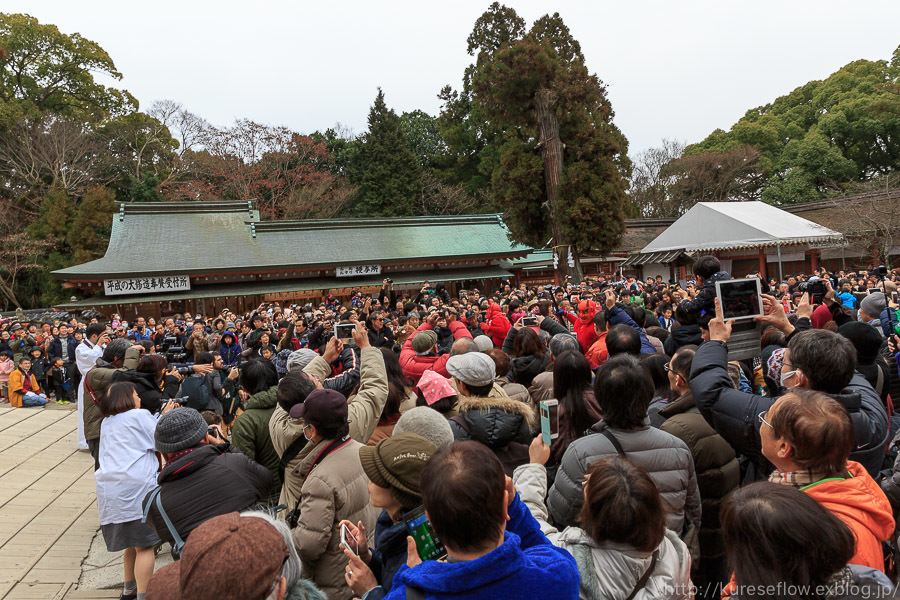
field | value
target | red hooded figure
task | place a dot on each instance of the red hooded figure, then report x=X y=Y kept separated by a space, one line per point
x=496 y=325
x=583 y=324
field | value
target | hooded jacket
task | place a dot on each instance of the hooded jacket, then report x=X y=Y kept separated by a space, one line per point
x=334 y=490
x=496 y=325
x=705 y=298
x=525 y=566
x=207 y=482
x=523 y=369
x=734 y=414
x=230 y=353
x=718 y=472
x=502 y=424
x=683 y=335
x=863 y=507
x=597 y=353
x=609 y=570
x=250 y=435
x=414 y=365
x=667 y=459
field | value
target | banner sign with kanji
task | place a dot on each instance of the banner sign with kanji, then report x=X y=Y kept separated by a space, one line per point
x=145 y=285
x=358 y=270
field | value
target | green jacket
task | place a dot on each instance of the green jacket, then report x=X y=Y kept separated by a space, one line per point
x=250 y=435
x=95 y=383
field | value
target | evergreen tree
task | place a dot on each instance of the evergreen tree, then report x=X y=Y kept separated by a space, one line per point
x=387 y=171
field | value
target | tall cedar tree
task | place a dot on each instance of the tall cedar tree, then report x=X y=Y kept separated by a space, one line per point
x=389 y=174
x=512 y=69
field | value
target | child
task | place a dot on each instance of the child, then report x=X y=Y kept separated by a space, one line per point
x=7 y=366
x=665 y=317
x=56 y=378
x=707 y=271
x=266 y=353
x=39 y=368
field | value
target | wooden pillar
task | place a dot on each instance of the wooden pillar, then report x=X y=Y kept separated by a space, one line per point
x=814 y=259
x=762 y=263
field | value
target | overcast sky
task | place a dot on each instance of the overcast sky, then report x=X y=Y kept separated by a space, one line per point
x=676 y=69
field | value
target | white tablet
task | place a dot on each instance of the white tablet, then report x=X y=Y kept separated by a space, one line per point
x=741 y=298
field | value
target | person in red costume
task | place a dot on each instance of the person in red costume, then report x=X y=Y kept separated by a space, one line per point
x=496 y=325
x=583 y=324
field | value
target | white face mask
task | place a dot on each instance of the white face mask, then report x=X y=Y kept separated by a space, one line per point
x=787 y=375
x=308 y=439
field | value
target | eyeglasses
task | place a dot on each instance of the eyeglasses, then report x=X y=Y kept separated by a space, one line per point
x=762 y=418
x=667 y=367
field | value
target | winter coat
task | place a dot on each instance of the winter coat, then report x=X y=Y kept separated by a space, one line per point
x=196 y=345
x=152 y=398
x=682 y=336
x=523 y=369
x=230 y=353
x=21 y=347
x=6 y=368
x=734 y=414
x=383 y=338
x=597 y=353
x=16 y=383
x=55 y=348
x=206 y=482
x=705 y=298
x=666 y=458
x=39 y=368
x=250 y=435
x=541 y=387
x=515 y=391
x=414 y=365
x=363 y=413
x=334 y=490
x=95 y=383
x=609 y=570
x=718 y=472
x=863 y=507
x=496 y=325
x=388 y=555
x=525 y=566
x=501 y=424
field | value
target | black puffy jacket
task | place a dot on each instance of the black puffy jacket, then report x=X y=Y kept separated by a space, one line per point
x=207 y=482
x=682 y=336
x=501 y=424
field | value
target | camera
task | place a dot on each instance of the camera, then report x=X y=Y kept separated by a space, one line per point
x=389 y=280
x=172 y=350
x=815 y=289
x=180 y=401
x=879 y=271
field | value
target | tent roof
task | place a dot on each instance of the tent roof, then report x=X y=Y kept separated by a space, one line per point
x=733 y=225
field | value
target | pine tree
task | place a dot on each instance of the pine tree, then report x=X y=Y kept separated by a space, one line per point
x=387 y=171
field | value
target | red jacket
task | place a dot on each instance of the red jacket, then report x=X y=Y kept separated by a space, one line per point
x=496 y=326
x=863 y=507
x=414 y=365
x=597 y=353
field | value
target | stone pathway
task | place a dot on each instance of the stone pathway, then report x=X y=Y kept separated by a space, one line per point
x=48 y=511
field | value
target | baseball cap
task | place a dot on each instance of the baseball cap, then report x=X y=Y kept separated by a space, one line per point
x=323 y=408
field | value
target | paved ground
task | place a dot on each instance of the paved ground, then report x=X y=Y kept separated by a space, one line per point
x=48 y=512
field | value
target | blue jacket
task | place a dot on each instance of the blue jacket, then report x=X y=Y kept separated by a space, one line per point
x=140 y=337
x=230 y=353
x=847 y=299
x=55 y=348
x=617 y=316
x=388 y=555
x=524 y=567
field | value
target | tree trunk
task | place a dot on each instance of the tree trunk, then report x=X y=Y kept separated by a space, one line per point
x=552 y=152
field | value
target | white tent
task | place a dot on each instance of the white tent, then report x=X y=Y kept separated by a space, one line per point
x=710 y=226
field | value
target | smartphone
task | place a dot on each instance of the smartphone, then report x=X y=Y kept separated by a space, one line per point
x=344 y=331
x=894 y=297
x=427 y=543
x=741 y=298
x=348 y=541
x=529 y=321
x=549 y=420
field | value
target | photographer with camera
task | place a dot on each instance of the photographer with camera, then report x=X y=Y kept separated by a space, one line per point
x=379 y=335
x=153 y=380
x=197 y=343
x=140 y=332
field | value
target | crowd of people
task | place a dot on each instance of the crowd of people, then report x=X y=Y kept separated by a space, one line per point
x=392 y=446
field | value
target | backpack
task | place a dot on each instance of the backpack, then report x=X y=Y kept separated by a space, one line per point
x=196 y=390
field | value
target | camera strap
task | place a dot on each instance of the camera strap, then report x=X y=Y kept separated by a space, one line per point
x=334 y=445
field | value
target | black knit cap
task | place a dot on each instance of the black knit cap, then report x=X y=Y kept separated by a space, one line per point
x=396 y=463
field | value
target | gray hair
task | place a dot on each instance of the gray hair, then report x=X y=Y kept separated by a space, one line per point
x=292 y=566
x=564 y=342
x=463 y=345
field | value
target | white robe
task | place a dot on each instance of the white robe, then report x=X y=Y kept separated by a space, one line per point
x=86 y=355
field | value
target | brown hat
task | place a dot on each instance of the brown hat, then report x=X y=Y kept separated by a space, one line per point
x=396 y=463
x=207 y=568
x=424 y=341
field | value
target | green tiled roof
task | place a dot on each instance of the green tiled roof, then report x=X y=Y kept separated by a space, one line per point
x=293 y=285
x=200 y=237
